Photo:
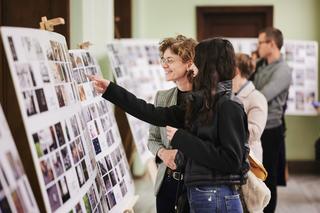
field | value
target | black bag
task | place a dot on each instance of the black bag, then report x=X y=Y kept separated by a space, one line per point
x=182 y=204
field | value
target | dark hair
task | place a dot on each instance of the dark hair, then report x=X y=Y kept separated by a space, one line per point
x=215 y=60
x=180 y=45
x=273 y=34
x=244 y=64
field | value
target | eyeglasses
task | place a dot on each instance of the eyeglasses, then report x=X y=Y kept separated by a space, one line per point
x=167 y=61
x=262 y=42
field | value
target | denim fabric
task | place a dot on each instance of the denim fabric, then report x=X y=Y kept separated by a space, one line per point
x=209 y=199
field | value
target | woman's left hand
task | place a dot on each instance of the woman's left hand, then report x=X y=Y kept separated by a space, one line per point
x=170 y=132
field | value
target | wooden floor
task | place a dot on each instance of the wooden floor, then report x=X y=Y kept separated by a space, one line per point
x=301 y=195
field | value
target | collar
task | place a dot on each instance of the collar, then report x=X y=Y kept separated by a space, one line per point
x=224 y=86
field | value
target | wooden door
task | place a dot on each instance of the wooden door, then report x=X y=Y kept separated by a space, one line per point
x=239 y=21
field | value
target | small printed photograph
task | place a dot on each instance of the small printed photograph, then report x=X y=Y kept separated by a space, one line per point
x=93 y=111
x=299 y=100
x=66 y=128
x=73 y=62
x=108 y=162
x=117 y=173
x=76 y=76
x=92 y=197
x=57 y=164
x=300 y=79
x=78 y=61
x=310 y=97
x=123 y=188
x=92 y=129
x=74 y=126
x=90 y=58
x=47 y=171
x=122 y=169
x=96 y=145
x=114 y=158
x=112 y=199
x=97 y=127
x=110 y=138
x=18 y=201
x=104 y=124
x=98 y=184
x=64 y=190
x=80 y=175
x=12 y=48
x=41 y=98
x=27 y=46
x=85 y=59
x=80 y=148
x=66 y=158
x=44 y=72
x=74 y=151
x=310 y=50
x=86 y=114
x=60 y=135
x=37 y=49
x=41 y=147
x=92 y=71
x=65 y=72
x=113 y=178
x=83 y=75
x=83 y=123
x=29 y=102
x=87 y=203
x=102 y=167
x=54 y=197
x=55 y=50
x=52 y=141
x=78 y=208
x=25 y=75
x=118 y=72
x=15 y=165
x=85 y=170
x=60 y=96
x=4 y=205
x=82 y=93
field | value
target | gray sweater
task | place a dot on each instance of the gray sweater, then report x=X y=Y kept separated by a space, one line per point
x=273 y=81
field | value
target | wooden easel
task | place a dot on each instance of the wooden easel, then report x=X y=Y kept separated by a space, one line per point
x=48 y=25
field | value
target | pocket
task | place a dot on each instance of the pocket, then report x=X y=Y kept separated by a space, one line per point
x=233 y=204
x=205 y=189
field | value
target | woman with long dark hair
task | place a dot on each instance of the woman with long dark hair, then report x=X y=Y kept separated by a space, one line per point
x=213 y=129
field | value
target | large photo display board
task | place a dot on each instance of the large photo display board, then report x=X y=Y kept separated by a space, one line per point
x=302 y=57
x=136 y=67
x=15 y=191
x=63 y=117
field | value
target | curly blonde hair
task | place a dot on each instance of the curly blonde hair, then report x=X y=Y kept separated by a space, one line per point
x=182 y=46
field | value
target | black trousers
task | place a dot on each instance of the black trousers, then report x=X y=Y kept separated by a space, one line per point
x=271 y=140
x=166 y=196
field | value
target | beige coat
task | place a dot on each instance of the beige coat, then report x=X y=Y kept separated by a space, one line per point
x=256 y=107
x=158 y=135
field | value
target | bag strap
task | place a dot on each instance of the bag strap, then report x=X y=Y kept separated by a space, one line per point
x=177 y=194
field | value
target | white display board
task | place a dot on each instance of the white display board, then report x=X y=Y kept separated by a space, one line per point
x=54 y=95
x=136 y=67
x=103 y=134
x=15 y=191
x=302 y=57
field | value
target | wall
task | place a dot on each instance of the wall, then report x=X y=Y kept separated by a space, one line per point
x=297 y=19
x=93 y=21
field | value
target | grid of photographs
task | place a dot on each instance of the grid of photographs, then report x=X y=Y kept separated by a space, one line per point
x=105 y=139
x=138 y=61
x=302 y=58
x=49 y=100
x=15 y=192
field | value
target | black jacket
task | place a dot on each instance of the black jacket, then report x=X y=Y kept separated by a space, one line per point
x=216 y=152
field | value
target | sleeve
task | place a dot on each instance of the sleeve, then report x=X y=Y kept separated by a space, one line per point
x=158 y=116
x=154 y=140
x=279 y=81
x=257 y=116
x=233 y=132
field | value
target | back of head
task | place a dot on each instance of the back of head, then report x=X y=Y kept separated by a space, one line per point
x=273 y=34
x=244 y=64
x=215 y=59
x=182 y=46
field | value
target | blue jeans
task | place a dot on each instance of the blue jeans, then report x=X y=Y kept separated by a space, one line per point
x=220 y=199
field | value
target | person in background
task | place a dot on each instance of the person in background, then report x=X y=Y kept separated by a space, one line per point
x=177 y=56
x=213 y=128
x=255 y=104
x=272 y=79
